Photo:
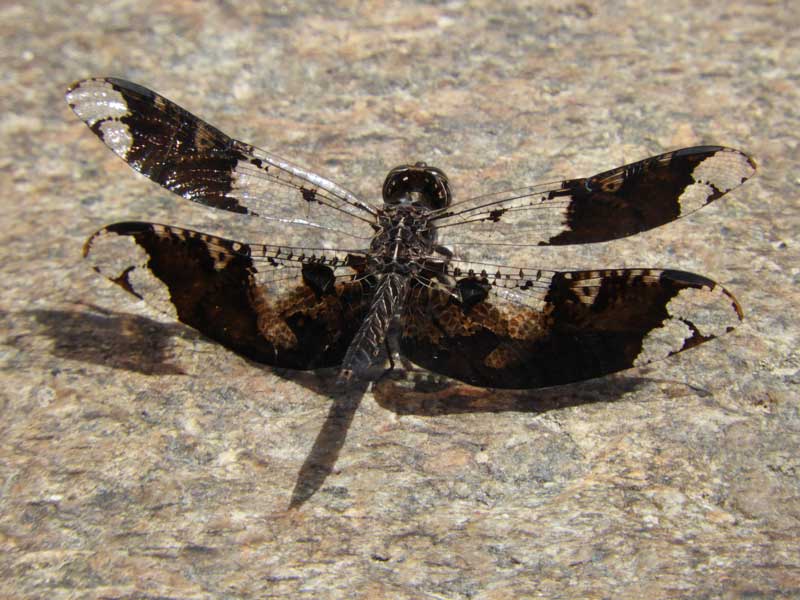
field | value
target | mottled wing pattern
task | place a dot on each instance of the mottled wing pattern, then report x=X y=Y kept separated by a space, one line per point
x=518 y=328
x=287 y=307
x=195 y=160
x=610 y=205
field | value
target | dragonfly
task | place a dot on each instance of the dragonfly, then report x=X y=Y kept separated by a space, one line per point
x=350 y=284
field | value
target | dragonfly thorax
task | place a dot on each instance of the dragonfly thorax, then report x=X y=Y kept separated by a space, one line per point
x=404 y=239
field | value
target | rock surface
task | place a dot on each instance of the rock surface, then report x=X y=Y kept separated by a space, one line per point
x=139 y=460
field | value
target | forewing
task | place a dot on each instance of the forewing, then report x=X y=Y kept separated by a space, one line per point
x=506 y=328
x=609 y=205
x=285 y=307
x=195 y=160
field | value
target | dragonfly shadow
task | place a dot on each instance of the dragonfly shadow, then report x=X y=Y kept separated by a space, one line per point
x=142 y=345
x=404 y=393
x=111 y=339
x=426 y=395
x=324 y=453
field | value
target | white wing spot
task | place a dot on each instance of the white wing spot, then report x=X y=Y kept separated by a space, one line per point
x=95 y=101
x=724 y=170
x=720 y=172
x=117 y=136
x=695 y=196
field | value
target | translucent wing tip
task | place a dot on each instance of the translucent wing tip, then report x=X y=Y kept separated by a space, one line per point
x=694 y=281
x=699 y=311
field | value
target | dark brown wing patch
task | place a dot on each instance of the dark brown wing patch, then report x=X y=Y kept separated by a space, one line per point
x=568 y=327
x=279 y=306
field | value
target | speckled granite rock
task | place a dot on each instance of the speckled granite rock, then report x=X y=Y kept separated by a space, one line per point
x=139 y=460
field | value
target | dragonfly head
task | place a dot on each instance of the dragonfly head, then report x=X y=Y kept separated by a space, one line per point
x=417 y=184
